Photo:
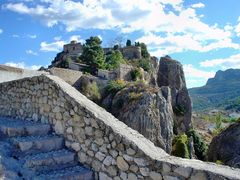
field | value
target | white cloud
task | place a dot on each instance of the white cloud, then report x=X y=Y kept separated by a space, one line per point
x=102 y=14
x=171 y=43
x=223 y=63
x=1 y=31
x=31 y=52
x=77 y=38
x=57 y=45
x=57 y=38
x=228 y=27
x=22 y=65
x=198 y=5
x=15 y=36
x=100 y=37
x=191 y=71
x=237 y=29
x=33 y=36
x=52 y=47
x=196 y=77
x=183 y=27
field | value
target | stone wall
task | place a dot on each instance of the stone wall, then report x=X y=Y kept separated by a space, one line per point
x=124 y=72
x=105 y=74
x=73 y=49
x=131 y=52
x=108 y=146
x=70 y=76
x=8 y=73
x=128 y=52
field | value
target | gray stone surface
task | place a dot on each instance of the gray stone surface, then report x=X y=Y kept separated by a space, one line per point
x=40 y=156
x=8 y=73
x=147 y=110
x=225 y=147
x=70 y=76
x=170 y=73
x=78 y=112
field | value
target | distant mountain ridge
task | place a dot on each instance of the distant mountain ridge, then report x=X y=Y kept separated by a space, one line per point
x=222 y=91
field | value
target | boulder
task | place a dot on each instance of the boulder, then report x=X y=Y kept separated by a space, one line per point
x=147 y=110
x=170 y=73
x=225 y=147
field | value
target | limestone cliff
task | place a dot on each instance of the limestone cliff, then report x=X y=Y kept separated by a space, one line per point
x=226 y=146
x=151 y=110
x=170 y=73
x=147 y=110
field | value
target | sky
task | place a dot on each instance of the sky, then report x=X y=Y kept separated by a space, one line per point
x=204 y=35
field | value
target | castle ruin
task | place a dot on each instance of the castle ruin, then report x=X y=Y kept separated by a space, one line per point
x=75 y=49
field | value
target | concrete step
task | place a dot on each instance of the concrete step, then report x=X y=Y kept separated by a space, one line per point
x=15 y=127
x=53 y=160
x=71 y=173
x=36 y=144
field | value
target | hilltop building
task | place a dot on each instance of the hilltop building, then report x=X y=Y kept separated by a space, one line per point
x=75 y=49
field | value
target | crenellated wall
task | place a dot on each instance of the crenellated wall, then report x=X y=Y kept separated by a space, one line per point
x=108 y=146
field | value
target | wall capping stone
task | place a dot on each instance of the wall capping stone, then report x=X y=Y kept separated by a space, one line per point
x=26 y=97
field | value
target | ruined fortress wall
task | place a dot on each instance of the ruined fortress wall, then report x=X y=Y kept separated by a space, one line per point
x=131 y=52
x=70 y=76
x=124 y=72
x=104 y=143
x=8 y=73
x=73 y=48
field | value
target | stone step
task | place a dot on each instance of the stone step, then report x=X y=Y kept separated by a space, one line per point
x=53 y=160
x=15 y=127
x=36 y=144
x=72 y=173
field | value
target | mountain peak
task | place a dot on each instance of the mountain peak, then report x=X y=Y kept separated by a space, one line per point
x=226 y=76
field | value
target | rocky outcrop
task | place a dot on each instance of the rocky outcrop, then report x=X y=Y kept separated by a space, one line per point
x=147 y=110
x=226 y=146
x=170 y=73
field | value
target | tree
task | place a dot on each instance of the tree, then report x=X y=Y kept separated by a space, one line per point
x=136 y=74
x=128 y=43
x=200 y=147
x=93 y=41
x=145 y=64
x=116 y=47
x=180 y=147
x=93 y=53
x=137 y=43
x=144 y=51
x=114 y=59
x=64 y=63
x=218 y=121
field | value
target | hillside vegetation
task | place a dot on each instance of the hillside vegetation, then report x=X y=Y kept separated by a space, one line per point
x=222 y=92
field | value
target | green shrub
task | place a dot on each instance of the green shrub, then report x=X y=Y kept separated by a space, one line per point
x=64 y=63
x=115 y=86
x=180 y=147
x=218 y=121
x=134 y=96
x=219 y=162
x=200 y=146
x=136 y=74
x=179 y=110
x=114 y=59
x=91 y=90
x=145 y=64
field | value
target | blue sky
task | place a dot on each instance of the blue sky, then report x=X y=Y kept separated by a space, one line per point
x=203 y=35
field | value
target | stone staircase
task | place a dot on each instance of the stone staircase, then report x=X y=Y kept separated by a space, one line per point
x=31 y=151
